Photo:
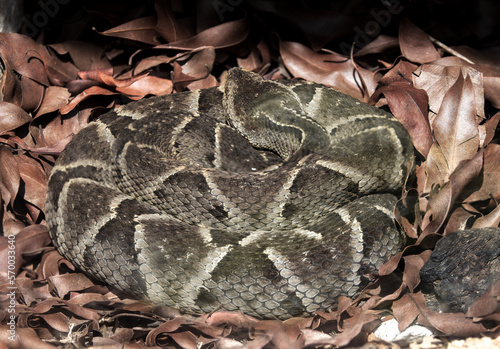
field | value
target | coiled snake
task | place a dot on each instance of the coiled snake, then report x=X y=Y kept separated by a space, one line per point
x=269 y=197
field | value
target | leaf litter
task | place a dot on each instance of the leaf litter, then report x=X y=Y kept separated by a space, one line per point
x=50 y=92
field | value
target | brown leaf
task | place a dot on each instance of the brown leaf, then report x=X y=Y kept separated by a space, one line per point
x=405 y=311
x=453 y=324
x=33 y=61
x=221 y=36
x=55 y=98
x=455 y=127
x=316 y=339
x=457 y=220
x=10 y=85
x=23 y=53
x=94 y=90
x=147 y=85
x=413 y=264
x=59 y=131
x=82 y=299
x=402 y=71
x=437 y=78
x=492 y=219
x=380 y=44
x=24 y=338
x=359 y=325
x=415 y=44
x=30 y=290
x=409 y=106
x=12 y=117
x=185 y=339
x=154 y=61
x=488 y=185
x=105 y=76
x=431 y=175
x=168 y=26
x=9 y=175
x=488 y=129
x=492 y=90
x=65 y=283
x=487 y=304
x=258 y=60
x=26 y=241
x=51 y=263
x=440 y=204
x=140 y=29
x=58 y=321
x=329 y=69
x=35 y=181
x=449 y=323
x=85 y=55
x=32 y=94
x=219 y=318
x=195 y=70
x=280 y=334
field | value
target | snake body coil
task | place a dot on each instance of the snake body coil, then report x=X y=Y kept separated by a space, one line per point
x=268 y=197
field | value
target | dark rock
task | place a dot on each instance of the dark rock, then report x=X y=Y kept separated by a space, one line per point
x=462 y=267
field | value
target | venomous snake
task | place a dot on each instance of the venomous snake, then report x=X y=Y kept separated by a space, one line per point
x=268 y=197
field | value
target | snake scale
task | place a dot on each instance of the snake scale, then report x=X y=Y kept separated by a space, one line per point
x=264 y=196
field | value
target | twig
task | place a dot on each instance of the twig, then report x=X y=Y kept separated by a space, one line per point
x=450 y=50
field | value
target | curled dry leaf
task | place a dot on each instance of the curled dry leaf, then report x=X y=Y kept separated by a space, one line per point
x=55 y=97
x=51 y=264
x=65 y=283
x=487 y=304
x=25 y=56
x=29 y=239
x=10 y=85
x=458 y=220
x=492 y=219
x=9 y=176
x=488 y=129
x=362 y=323
x=31 y=291
x=147 y=85
x=455 y=324
x=84 y=55
x=35 y=182
x=437 y=78
x=280 y=334
x=105 y=77
x=380 y=44
x=92 y=91
x=167 y=25
x=440 y=204
x=409 y=106
x=413 y=264
x=140 y=29
x=329 y=69
x=12 y=117
x=405 y=311
x=221 y=36
x=402 y=71
x=24 y=338
x=33 y=61
x=415 y=44
x=455 y=127
x=487 y=186
x=194 y=73
x=153 y=61
x=258 y=60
